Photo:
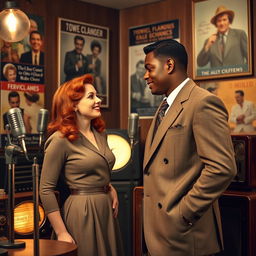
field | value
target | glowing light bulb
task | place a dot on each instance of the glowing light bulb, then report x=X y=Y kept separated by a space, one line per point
x=14 y=24
x=11 y=22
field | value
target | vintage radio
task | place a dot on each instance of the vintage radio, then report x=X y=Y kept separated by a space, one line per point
x=128 y=164
x=23 y=217
x=238 y=215
x=245 y=155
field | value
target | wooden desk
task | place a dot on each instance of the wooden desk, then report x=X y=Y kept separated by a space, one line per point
x=47 y=248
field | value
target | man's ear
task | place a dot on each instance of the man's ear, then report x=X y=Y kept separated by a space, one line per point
x=170 y=65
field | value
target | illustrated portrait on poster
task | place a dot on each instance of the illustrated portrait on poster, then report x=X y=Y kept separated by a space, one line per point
x=22 y=77
x=239 y=98
x=221 y=38
x=84 y=48
x=141 y=100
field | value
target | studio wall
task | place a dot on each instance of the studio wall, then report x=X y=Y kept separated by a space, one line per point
x=83 y=12
x=157 y=12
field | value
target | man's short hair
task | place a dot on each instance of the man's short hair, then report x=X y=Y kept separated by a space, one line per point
x=35 y=32
x=241 y=92
x=13 y=94
x=79 y=38
x=169 y=48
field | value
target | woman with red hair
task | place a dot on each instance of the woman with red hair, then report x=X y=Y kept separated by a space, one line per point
x=77 y=149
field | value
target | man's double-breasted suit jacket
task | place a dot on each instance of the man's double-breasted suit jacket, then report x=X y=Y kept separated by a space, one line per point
x=187 y=165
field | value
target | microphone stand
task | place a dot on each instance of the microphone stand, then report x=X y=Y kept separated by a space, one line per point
x=35 y=174
x=11 y=152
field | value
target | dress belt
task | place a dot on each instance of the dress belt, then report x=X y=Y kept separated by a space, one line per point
x=90 y=190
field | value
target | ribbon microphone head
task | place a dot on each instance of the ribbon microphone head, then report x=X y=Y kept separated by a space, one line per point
x=133 y=127
x=15 y=120
x=42 y=122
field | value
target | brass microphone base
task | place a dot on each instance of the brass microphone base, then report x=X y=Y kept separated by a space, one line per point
x=3 y=252
x=12 y=245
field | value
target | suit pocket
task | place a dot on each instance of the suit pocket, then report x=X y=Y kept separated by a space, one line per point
x=176 y=219
x=176 y=129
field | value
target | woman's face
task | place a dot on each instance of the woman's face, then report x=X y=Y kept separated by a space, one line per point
x=11 y=75
x=89 y=105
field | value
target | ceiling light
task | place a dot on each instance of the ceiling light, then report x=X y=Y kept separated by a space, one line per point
x=14 y=24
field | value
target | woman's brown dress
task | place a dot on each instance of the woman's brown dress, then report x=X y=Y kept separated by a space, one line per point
x=88 y=218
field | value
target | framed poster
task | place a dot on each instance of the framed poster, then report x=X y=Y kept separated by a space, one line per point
x=84 y=48
x=141 y=100
x=221 y=38
x=239 y=98
x=22 y=76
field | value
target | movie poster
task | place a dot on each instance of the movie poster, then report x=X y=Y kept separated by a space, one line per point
x=239 y=98
x=141 y=100
x=22 y=77
x=84 y=48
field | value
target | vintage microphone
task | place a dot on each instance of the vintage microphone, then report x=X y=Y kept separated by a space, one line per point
x=18 y=130
x=133 y=128
x=41 y=128
x=17 y=127
x=42 y=122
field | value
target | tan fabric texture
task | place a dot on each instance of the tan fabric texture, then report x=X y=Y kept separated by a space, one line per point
x=88 y=218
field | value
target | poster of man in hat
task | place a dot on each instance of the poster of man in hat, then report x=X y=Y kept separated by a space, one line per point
x=221 y=38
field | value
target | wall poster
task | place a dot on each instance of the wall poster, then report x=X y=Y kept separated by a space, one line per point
x=141 y=100
x=22 y=78
x=239 y=98
x=221 y=39
x=84 y=48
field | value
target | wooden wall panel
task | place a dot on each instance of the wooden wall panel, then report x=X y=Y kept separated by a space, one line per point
x=50 y=10
x=157 y=12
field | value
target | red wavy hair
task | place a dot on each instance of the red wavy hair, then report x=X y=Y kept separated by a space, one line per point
x=65 y=99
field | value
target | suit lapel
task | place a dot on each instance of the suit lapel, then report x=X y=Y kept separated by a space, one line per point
x=172 y=114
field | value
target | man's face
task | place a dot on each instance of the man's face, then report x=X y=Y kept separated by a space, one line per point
x=96 y=51
x=156 y=75
x=222 y=23
x=14 y=102
x=239 y=98
x=79 y=45
x=140 y=70
x=36 y=42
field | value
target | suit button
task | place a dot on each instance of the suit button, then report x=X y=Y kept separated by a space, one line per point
x=166 y=161
x=159 y=205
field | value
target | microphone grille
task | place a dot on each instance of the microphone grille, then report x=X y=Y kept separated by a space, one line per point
x=133 y=125
x=42 y=120
x=16 y=122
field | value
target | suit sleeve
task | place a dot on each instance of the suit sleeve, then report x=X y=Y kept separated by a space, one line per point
x=203 y=57
x=54 y=160
x=215 y=150
x=251 y=114
x=69 y=65
x=244 y=44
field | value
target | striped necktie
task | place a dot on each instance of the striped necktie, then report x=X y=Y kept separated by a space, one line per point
x=161 y=113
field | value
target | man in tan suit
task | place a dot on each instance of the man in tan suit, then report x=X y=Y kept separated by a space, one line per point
x=188 y=160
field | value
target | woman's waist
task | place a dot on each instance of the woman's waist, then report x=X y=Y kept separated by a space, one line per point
x=90 y=190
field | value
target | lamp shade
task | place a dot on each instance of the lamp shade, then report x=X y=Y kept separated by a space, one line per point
x=14 y=24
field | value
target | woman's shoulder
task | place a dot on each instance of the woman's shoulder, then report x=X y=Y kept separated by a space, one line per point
x=56 y=139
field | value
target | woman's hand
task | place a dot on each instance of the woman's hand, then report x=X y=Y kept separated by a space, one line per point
x=66 y=237
x=115 y=202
